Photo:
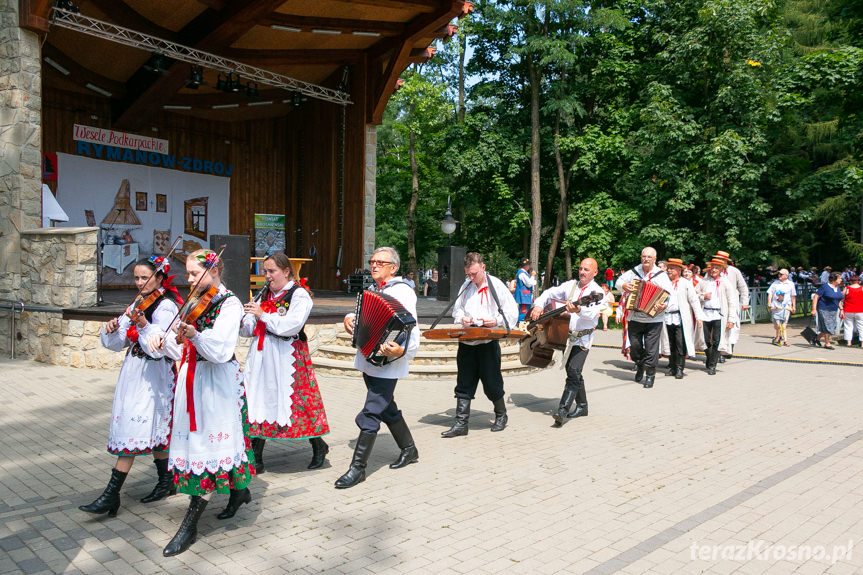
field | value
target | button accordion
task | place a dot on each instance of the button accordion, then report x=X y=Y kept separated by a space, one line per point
x=646 y=298
x=380 y=319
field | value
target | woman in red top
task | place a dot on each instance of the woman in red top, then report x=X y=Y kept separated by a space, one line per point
x=851 y=310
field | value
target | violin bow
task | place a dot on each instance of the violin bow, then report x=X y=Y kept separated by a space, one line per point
x=159 y=268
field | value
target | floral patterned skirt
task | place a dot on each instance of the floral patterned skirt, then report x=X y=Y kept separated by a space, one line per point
x=308 y=417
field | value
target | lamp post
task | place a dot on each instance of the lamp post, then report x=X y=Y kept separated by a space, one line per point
x=449 y=259
x=448 y=223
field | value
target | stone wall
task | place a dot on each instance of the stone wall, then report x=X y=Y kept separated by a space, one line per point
x=46 y=337
x=20 y=142
x=58 y=267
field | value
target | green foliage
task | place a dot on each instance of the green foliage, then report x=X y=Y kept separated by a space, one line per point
x=689 y=125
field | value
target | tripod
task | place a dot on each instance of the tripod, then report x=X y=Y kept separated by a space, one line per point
x=100 y=260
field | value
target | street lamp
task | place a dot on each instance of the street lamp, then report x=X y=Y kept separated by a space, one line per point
x=448 y=223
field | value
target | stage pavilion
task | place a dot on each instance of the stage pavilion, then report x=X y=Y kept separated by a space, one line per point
x=258 y=106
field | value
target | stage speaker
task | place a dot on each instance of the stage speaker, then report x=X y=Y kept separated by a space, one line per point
x=237 y=262
x=450 y=266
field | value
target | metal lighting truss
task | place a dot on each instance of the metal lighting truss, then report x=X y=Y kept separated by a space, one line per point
x=107 y=31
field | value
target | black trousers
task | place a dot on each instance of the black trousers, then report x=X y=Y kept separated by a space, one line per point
x=644 y=344
x=380 y=405
x=677 y=345
x=574 y=379
x=712 y=333
x=479 y=363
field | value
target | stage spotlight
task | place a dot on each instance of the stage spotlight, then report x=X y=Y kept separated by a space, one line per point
x=156 y=64
x=252 y=91
x=221 y=84
x=234 y=83
x=196 y=78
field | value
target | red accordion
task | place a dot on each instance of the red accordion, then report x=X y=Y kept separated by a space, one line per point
x=380 y=319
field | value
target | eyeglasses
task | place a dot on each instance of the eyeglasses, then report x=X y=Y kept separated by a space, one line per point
x=379 y=263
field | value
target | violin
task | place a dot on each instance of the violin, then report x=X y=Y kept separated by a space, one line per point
x=199 y=305
x=143 y=303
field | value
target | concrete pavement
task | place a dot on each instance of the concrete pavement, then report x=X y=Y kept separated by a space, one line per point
x=751 y=471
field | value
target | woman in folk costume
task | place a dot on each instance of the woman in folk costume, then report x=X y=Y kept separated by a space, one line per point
x=210 y=448
x=284 y=400
x=720 y=305
x=683 y=318
x=141 y=414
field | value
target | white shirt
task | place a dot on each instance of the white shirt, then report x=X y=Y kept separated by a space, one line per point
x=399 y=367
x=586 y=318
x=481 y=305
x=526 y=278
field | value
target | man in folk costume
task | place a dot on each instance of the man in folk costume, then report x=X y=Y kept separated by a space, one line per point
x=678 y=334
x=380 y=405
x=483 y=300
x=738 y=285
x=524 y=284
x=720 y=305
x=582 y=323
x=644 y=331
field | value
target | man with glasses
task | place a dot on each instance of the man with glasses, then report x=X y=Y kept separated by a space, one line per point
x=644 y=331
x=381 y=381
x=484 y=300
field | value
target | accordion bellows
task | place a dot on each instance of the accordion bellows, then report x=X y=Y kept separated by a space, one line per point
x=646 y=298
x=380 y=319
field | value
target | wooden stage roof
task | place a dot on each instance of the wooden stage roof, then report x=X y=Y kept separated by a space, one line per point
x=308 y=41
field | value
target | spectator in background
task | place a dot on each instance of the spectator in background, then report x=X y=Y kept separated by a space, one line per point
x=782 y=307
x=409 y=279
x=608 y=306
x=609 y=277
x=430 y=287
x=825 y=275
x=852 y=310
x=525 y=281
x=826 y=303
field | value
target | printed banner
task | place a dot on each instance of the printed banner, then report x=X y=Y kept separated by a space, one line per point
x=269 y=234
x=119 y=139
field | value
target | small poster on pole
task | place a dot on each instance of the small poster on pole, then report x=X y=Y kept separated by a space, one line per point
x=269 y=234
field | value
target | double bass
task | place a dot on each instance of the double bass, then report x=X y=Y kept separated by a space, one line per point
x=550 y=331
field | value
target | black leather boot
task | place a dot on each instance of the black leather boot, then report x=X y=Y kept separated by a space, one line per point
x=563 y=409
x=579 y=411
x=639 y=372
x=356 y=473
x=649 y=378
x=258 y=449
x=462 y=415
x=109 y=501
x=319 y=452
x=500 y=417
x=678 y=374
x=164 y=486
x=188 y=531
x=237 y=498
x=405 y=441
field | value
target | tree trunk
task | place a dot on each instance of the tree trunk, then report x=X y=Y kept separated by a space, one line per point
x=412 y=208
x=462 y=44
x=536 y=204
x=561 y=208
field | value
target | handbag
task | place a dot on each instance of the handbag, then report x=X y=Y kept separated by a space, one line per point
x=809 y=333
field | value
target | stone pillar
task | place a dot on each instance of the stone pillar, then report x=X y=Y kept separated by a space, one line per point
x=370 y=192
x=20 y=142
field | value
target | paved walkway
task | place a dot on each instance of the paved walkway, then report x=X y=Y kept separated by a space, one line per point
x=751 y=471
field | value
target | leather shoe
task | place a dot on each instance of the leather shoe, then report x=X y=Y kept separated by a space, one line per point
x=678 y=374
x=648 y=381
x=722 y=358
x=579 y=411
x=711 y=371
x=639 y=373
